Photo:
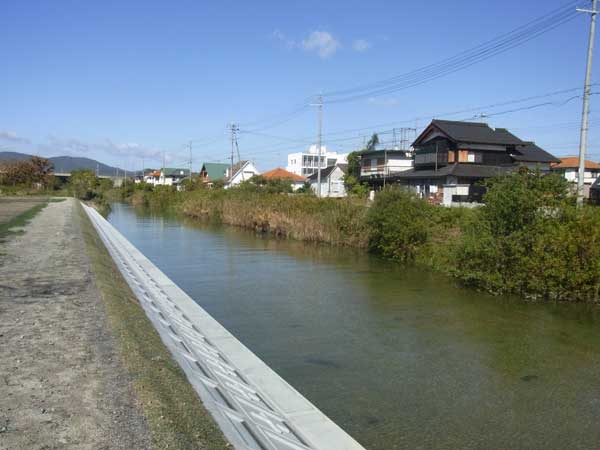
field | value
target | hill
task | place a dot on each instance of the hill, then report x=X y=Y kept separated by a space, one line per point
x=64 y=164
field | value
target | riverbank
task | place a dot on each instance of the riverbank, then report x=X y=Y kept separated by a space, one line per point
x=529 y=239
x=82 y=367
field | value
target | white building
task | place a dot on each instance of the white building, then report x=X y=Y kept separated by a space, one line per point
x=385 y=163
x=332 y=181
x=167 y=176
x=307 y=163
x=569 y=167
x=242 y=171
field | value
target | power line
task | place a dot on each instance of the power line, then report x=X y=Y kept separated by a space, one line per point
x=308 y=140
x=460 y=61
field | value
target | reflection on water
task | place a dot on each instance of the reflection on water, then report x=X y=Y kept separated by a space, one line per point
x=399 y=357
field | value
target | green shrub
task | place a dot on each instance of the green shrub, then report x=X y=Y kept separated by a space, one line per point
x=399 y=224
x=530 y=239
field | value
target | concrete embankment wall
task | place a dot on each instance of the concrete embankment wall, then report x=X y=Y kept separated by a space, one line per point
x=255 y=408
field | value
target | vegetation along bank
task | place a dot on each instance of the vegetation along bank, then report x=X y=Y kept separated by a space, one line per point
x=529 y=239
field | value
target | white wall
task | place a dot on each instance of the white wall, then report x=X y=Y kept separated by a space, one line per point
x=395 y=164
x=296 y=161
x=589 y=176
x=247 y=172
x=331 y=186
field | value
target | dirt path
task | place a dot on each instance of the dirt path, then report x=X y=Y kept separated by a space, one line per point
x=61 y=383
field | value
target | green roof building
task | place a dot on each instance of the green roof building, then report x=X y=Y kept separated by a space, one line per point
x=214 y=171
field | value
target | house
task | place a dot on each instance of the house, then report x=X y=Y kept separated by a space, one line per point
x=296 y=181
x=306 y=163
x=242 y=171
x=170 y=176
x=332 y=181
x=212 y=172
x=569 y=167
x=141 y=177
x=152 y=177
x=378 y=165
x=452 y=157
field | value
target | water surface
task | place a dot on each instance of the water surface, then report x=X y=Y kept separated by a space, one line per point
x=401 y=358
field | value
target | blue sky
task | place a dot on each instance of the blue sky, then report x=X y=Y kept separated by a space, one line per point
x=122 y=81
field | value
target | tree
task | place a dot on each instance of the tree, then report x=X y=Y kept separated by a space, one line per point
x=373 y=142
x=83 y=183
x=34 y=172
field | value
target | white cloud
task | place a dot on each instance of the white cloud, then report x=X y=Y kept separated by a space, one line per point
x=282 y=38
x=321 y=42
x=361 y=45
x=13 y=137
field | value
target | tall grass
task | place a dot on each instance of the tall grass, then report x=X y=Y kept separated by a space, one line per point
x=302 y=217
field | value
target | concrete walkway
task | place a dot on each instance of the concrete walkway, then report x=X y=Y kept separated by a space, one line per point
x=61 y=383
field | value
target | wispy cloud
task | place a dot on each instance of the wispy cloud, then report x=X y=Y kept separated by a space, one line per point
x=361 y=45
x=321 y=42
x=13 y=137
x=383 y=101
x=56 y=146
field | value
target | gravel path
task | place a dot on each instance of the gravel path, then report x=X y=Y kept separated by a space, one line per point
x=61 y=383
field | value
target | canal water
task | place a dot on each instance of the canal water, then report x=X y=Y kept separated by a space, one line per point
x=401 y=358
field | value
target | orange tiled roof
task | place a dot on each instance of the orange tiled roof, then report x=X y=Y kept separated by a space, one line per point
x=282 y=174
x=573 y=162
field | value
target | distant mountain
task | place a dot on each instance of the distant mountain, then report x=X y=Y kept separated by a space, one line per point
x=13 y=156
x=63 y=164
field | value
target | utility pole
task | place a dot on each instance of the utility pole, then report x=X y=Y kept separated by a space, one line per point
x=385 y=168
x=586 y=100
x=234 y=129
x=319 y=137
x=190 y=146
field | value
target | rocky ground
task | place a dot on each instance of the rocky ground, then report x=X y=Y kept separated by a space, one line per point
x=62 y=384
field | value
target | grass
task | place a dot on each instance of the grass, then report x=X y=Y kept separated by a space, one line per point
x=176 y=417
x=20 y=220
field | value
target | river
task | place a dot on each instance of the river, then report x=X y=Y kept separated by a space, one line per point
x=401 y=358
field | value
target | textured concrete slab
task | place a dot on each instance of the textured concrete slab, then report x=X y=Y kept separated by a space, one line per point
x=255 y=407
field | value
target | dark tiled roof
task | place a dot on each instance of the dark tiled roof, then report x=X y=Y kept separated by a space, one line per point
x=480 y=133
x=327 y=171
x=529 y=152
x=389 y=152
x=457 y=170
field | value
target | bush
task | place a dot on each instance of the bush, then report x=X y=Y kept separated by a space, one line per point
x=530 y=239
x=399 y=224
